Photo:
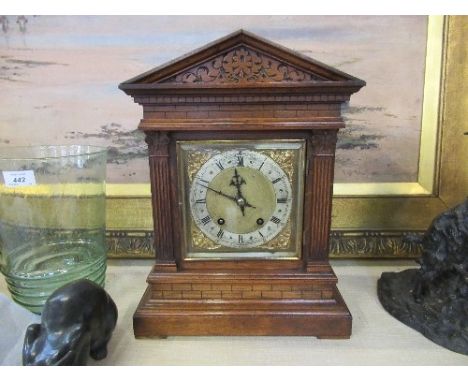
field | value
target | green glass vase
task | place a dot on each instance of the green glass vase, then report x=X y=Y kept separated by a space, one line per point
x=52 y=219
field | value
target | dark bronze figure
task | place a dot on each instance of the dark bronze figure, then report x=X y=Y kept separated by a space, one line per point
x=78 y=320
x=434 y=298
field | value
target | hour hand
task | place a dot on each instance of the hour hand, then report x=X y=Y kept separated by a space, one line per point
x=237 y=181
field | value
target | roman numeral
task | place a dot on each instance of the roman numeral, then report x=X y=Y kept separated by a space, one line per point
x=206 y=220
x=276 y=180
x=220 y=233
x=282 y=200
x=274 y=219
x=200 y=201
x=241 y=239
x=263 y=237
x=262 y=164
x=220 y=166
x=240 y=161
x=202 y=180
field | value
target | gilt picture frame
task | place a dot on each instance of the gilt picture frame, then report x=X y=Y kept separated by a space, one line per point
x=399 y=160
x=369 y=220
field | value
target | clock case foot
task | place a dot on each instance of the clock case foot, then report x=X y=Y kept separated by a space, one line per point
x=242 y=304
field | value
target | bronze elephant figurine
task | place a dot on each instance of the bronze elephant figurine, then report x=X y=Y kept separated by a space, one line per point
x=77 y=320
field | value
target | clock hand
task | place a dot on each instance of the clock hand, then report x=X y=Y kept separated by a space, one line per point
x=241 y=202
x=247 y=204
x=219 y=192
x=242 y=206
x=237 y=181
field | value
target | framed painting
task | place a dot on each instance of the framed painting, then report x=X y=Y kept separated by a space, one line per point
x=398 y=161
x=374 y=220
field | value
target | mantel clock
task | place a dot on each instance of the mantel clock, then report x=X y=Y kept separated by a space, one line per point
x=242 y=137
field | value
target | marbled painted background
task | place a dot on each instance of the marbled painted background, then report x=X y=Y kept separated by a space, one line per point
x=59 y=78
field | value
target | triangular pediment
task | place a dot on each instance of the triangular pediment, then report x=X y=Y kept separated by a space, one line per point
x=238 y=59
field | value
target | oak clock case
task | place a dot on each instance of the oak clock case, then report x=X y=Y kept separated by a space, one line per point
x=241 y=138
x=241 y=199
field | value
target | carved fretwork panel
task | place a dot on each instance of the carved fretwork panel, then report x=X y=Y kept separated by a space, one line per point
x=242 y=65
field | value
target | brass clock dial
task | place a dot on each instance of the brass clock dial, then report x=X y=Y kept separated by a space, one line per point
x=240 y=199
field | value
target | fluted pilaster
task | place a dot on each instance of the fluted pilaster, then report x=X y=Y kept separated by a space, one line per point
x=319 y=192
x=158 y=147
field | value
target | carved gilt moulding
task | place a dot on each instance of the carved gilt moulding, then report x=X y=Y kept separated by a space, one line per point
x=358 y=244
x=363 y=226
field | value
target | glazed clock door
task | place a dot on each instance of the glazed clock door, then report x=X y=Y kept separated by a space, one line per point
x=242 y=199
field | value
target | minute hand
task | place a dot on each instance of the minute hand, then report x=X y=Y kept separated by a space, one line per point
x=219 y=192
x=225 y=195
